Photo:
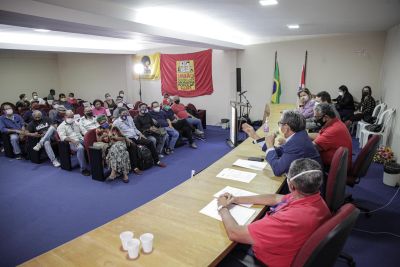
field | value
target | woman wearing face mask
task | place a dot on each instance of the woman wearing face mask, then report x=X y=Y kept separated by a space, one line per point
x=344 y=103
x=114 y=146
x=99 y=108
x=366 y=106
x=109 y=102
x=306 y=104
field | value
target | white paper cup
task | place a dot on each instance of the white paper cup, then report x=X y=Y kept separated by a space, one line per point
x=147 y=242
x=125 y=237
x=133 y=248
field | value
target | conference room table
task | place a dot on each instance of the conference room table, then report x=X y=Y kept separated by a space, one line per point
x=182 y=235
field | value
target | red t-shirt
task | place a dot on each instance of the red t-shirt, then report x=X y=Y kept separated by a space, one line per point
x=332 y=136
x=279 y=236
x=180 y=111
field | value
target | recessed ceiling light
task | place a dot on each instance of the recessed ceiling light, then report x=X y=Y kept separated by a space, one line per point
x=293 y=26
x=268 y=2
x=41 y=30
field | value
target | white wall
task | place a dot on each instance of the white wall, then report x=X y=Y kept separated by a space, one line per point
x=391 y=82
x=332 y=61
x=224 y=82
x=25 y=72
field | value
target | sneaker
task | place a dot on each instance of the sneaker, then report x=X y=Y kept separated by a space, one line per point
x=18 y=157
x=198 y=132
x=137 y=171
x=56 y=163
x=193 y=145
x=86 y=172
x=167 y=151
x=161 y=164
x=37 y=147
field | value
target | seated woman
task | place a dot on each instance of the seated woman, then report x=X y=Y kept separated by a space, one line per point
x=344 y=103
x=306 y=104
x=99 y=108
x=109 y=102
x=366 y=107
x=114 y=145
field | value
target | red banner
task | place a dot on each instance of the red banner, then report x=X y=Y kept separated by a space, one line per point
x=187 y=75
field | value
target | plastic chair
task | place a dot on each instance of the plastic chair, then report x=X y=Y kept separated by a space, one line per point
x=324 y=246
x=378 y=110
x=386 y=120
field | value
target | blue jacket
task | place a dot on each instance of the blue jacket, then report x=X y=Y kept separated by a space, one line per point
x=6 y=123
x=298 y=146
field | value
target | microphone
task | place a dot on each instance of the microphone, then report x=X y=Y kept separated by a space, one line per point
x=242 y=93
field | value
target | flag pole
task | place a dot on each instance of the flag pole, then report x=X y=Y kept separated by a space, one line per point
x=305 y=68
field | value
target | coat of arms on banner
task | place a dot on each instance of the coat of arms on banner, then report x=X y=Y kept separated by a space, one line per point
x=185 y=75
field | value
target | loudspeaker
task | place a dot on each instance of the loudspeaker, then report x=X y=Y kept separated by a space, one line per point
x=238 y=80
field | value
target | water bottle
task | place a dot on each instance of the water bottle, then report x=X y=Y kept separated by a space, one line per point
x=266 y=126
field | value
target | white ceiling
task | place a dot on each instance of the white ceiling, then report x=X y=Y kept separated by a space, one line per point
x=220 y=24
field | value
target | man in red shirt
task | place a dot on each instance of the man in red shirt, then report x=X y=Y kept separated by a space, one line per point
x=333 y=134
x=180 y=111
x=292 y=218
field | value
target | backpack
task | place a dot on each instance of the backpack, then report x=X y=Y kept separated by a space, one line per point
x=145 y=159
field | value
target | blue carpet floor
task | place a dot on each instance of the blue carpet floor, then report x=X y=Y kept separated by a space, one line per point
x=43 y=207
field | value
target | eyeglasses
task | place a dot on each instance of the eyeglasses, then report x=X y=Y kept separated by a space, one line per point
x=281 y=123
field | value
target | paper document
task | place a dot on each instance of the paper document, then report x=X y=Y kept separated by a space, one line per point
x=241 y=214
x=249 y=164
x=237 y=193
x=236 y=175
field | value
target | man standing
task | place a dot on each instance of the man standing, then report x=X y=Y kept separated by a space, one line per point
x=70 y=132
x=278 y=236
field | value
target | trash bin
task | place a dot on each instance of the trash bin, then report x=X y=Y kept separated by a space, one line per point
x=391 y=175
x=225 y=123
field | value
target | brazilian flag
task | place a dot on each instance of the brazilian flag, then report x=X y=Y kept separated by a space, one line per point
x=276 y=89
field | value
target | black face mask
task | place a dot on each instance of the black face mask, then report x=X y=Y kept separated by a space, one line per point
x=177 y=101
x=89 y=114
x=320 y=122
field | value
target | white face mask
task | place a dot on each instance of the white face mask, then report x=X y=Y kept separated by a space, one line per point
x=35 y=97
x=69 y=120
x=121 y=95
x=120 y=105
x=50 y=102
x=305 y=98
x=109 y=98
x=9 y=111
x=157 y=109
x=341 y=93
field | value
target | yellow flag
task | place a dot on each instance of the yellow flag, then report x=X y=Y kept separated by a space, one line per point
x=151 y=66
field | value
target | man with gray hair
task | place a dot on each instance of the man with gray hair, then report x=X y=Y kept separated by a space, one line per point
x=292 y=218
x=70 y=132
x=297 y=145
x=332 y=135
x=43 y=128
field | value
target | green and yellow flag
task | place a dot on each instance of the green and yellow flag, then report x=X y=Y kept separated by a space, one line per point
x=276 y=88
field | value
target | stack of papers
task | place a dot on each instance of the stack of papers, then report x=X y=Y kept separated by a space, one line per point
x=236 y=175
x=253 y=165
x=241 y=214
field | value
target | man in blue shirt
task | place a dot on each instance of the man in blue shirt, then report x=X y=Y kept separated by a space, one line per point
x=297 y=145
x=12 y=124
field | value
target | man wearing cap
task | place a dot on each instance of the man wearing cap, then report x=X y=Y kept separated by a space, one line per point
x=292 y=218
x=70 y=132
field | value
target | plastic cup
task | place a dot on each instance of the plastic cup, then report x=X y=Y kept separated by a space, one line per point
x=147 y=242
x=133 y=248
x=125 y=237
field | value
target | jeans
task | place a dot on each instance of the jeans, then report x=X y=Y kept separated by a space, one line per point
x=173 y=137
x=80 y=153
x=14 y=139
x=45 y=141
x=195 y=122
x=158 y=142
x=184 y=128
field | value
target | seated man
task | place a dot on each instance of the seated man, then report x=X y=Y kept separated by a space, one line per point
x=22 y=102
x=333 y=134
x=278 y=236
x=321 y=97
x=88 y=122
x=35 y=98
x=127 y=127
x=120 y=104
x=164 y=122
x=57 y=114
x=144 y=122
x=62 y=101
x=12 y=124
x=42 y=127
x=180 y=111
x=27 y=116
x=297 y=145
x=182 y=126
x=70 y=132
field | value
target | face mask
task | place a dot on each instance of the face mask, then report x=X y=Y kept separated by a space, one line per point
x=167 y=107
x=177 y=101
x=120 y=105
x=341 y=93
x=105 y=125
x=305 y=98
x=69 y=120
x=9 y=111
x=89 y=114
x=35 y=97
x=124 y=117
x=72 y=98
x=109 y=98
x=320 y=122
x=25 y=99
x=316 y=103
x=63 y=99
x=121 y=95
x=38 y=119
x=157 y=109
x=143 y=111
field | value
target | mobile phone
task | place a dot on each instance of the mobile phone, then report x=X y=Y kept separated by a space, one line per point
x=255 y=159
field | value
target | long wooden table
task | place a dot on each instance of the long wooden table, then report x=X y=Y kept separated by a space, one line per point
x=182 y=235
